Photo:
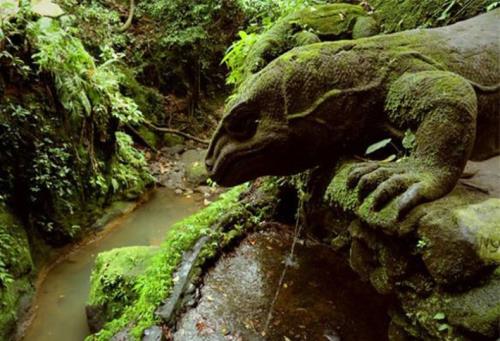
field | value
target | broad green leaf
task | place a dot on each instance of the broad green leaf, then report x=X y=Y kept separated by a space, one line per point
x=443 y=327
x=377 y=146
x=439 y=316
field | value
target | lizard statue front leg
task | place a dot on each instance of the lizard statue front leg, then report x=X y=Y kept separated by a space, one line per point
x=442 y=108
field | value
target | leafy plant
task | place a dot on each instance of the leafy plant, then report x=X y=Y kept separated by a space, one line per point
x=236 y=55
x=409 y=140
x=264 y=14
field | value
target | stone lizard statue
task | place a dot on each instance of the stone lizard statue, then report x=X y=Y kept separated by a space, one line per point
x=311 y=25
x=320 y=102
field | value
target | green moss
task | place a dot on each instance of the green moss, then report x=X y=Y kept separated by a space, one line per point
x=155 y=284
x=404 y=107
x=482 y=221
x=149 y=100
x=309 y=25
x=338 y=194
x=476 y=311
x=149 y=136
x=113 y=280
x=171 y=140
x=129 y=172
x=16 y=269
x=399 y=15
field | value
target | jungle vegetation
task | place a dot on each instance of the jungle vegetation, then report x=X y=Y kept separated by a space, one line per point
x=83 y=83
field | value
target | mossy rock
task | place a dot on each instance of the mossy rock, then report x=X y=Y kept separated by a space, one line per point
x=193 y=161
x=150 y=137
x=16 y=269
x=451 y=316
x=170 y=140
x=112 y=282
x=457 y=234
x=222 y=221
x=459 y=243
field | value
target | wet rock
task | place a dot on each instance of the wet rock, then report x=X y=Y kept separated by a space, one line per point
x=115 y=210
x=193 y=161
x=320 y=299
x=441 y=261
x=154 y=333
x=174 y=149
x=182 y=287
x=176 y=171
x=122 y=336
x=172 y=140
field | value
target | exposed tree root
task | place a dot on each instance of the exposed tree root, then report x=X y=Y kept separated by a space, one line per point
x=130 y=17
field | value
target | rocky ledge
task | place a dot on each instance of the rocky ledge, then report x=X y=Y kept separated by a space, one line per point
x=441 y=262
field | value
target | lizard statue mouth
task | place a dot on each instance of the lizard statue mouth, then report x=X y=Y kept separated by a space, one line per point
x=230 y=163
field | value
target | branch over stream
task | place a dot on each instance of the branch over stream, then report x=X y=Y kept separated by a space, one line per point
x=176 y=132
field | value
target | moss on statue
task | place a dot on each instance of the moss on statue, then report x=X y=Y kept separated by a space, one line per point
x=400 y=15
x=327 y=22
x=439 y=260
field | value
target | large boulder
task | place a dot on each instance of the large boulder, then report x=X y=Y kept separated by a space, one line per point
x=112 y=282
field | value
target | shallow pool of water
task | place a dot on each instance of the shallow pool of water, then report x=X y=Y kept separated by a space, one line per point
x=60 y=301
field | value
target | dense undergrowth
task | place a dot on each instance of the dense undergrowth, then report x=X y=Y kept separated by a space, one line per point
x=63 y=154
x=62 y=109
x=75 y=83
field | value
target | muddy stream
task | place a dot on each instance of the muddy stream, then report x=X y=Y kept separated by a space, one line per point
x=60 y=301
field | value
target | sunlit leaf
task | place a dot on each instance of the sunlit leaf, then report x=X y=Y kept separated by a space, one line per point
x=377 y=146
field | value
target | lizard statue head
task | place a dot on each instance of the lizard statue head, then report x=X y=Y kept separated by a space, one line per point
x=271 y=126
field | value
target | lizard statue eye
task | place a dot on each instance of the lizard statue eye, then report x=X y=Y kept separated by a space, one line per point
x=242 y=125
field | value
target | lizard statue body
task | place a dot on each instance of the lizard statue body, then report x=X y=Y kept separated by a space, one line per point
x=323 y=101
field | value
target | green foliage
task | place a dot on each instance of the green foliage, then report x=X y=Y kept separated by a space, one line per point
x=51 y=169
x=15 y=268
x=95 y=23
x=264 y=14
x=129 y=171
x=493 y=5
x=399 y=15
x=58 y=125
x=236 y=55
x=409 y=140
x=84 y=89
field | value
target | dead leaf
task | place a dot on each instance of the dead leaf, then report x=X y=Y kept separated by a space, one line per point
x=201 y=326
